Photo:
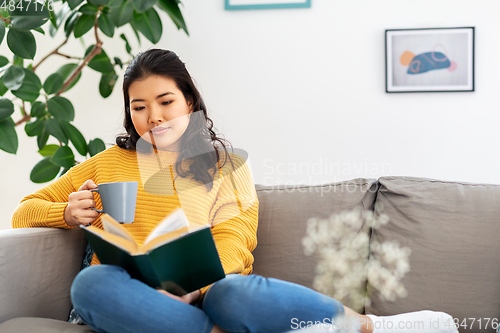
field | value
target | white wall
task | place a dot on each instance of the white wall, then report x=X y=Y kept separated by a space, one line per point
x=303 y=91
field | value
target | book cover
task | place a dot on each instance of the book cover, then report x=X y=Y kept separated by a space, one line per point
x=179 y=261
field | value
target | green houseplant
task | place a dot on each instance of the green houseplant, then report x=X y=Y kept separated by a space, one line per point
x=43 y=110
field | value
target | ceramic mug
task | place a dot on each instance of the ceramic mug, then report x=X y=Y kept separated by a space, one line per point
x=118 y=200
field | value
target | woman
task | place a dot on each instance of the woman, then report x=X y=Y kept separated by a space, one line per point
x=171 y=149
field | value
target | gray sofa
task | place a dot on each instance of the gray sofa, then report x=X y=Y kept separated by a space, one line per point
x=452 y=229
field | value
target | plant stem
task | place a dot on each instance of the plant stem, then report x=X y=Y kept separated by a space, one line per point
x=56 y=51
x=23 y=119
x=23 y=110
x=68 y=56
x=95 y=51
x=26 y=117
x=4 y=19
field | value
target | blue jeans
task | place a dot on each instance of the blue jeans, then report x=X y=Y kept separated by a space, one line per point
x=109 y=300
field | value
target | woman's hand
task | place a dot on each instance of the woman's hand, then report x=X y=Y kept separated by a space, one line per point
x=78 y=209
x=190 y=298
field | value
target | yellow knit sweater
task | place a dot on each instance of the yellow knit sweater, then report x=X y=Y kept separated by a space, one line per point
x=231 y=206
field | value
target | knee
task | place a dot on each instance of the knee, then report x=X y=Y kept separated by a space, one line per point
x=90 y=282
x=231 y=284
x=235 y=301
x=233 y=289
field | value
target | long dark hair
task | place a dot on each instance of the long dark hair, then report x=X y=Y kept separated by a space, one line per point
x=199 y=137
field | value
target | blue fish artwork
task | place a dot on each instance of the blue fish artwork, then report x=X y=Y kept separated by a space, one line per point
x=425 y=62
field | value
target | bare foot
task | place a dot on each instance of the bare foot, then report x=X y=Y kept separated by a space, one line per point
x=217 y=329
x=366 y=324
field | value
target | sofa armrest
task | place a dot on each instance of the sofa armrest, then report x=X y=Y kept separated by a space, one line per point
x=37 y=267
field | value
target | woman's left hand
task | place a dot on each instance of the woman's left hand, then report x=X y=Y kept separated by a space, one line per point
x=190 y=298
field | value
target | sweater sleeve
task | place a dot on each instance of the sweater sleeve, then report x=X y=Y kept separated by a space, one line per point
x=45 y=207
x=235 y=220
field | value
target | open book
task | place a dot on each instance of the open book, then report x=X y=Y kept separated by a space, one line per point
x=172 y=257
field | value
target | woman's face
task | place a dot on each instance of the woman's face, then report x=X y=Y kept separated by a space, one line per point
x=159 y=111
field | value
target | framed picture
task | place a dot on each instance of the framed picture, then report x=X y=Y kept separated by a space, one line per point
x=265 y=4
x=429 y=60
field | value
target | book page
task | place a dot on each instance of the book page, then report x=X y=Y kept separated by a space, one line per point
x=114 y=227
x=176 y=220
x=118 y=241
x=167 y=238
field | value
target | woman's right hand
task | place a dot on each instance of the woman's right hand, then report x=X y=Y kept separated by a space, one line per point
x=78 y=209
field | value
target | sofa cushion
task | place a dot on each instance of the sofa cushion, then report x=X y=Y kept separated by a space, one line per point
x=41 y=325
x=37 y=267
x=283 y=215
x=452 y=229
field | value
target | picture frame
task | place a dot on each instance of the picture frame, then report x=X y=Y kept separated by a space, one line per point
x=265 y=4
x=429 y=60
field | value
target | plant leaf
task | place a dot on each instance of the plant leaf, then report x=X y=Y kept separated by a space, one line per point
x=100 y=62
x=34 y=128
x=13 y=77
x=69 y=25
x=8 y=136
x=3 y=61
x=127 y=45
x=30 y=17
x=88 y=9
x=100 y=2
x=63 y=157
x=149 y=24
x=143 y=5
x=41 y=140
x=3 y=88
x=53 y=83
x=27 y=92
x=61 y=14
x=107 y=83
x=21 y=43
x=52 y=31
x=40 y=30
x=6 y=108
x=118 y=62
x=96 y=146
x=58 y=18
x=18 y=61
x=30 y=76
x=66 y=71
x=106 y=25
x=134 y=28
x=61 y=108
x=44 y=171
x=53 y=127
x=2 y=32
x=83 y=25
x=38 y=109
x=74 y=3
x=53 y=16
x=171 y=7
x=30 y=88
x=76 y=138
x=121 y=12
x=48 y=150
